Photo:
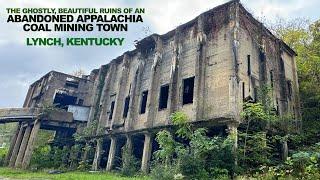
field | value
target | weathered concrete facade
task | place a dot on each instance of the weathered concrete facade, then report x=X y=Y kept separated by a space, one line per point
x=205 y=68
x=54 y=88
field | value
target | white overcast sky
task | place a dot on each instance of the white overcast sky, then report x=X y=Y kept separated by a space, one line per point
x=20 y=65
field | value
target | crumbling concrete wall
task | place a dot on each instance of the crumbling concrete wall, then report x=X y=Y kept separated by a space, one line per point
x=42 y=92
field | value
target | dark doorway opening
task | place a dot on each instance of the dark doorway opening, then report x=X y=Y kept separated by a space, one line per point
x=105 y=153
x=121 y=141
x=137 y=146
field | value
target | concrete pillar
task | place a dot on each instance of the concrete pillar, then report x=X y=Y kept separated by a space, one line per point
x=129 y=143
x=121 y=92
x=97 y=155
x=16 y=147
x=285 y=150
x=233 y=133
x=112 y=153
x=200 y=71
x=23 y=146
x=147 y=150
x=31 y=141
x=85 y=152
x=12 y=143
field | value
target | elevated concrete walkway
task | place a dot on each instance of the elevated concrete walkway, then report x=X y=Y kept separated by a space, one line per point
x=8 y=115
x=30 y=121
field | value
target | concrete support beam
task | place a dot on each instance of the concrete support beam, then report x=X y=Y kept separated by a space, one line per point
x=16 y=147
x=121 y=92
x=175 y=74
x=233 y=133
x=135 y=94
x=31 y=141
x=147 y=150
x=112 y=153
x=85 y=152
x=23 y=146
x=12 y=144
x=129 y=143
x=97 y=155
x=200 y=70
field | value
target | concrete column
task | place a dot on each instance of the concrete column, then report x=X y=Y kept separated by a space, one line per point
x=97 y=155
x=23 y=146
x=112 y=153
x=146 y=156
x=173 y=100
x=85 y=152
x=135 y=94
x=121 y=92
x=16 y=147
x=31 y=141
x=285 y=150
x=233 y=133
x=12 y=144
x=200 y=70
x=129 y=143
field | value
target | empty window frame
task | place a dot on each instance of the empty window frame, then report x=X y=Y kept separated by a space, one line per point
x=111 y=110
x=126 y=106
x=255 y=94
x=163 y=98
x=143 y=105
x=62 y=100
x=271 y=78
x=243 y=91
x=188 y=87
x=281 y=65
x=289 y=85
x=249 y=65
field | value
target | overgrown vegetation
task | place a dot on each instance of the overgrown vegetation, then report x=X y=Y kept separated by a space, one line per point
x=192 y=154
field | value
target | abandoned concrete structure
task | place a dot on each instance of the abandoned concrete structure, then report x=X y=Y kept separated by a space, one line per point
x=205 y=68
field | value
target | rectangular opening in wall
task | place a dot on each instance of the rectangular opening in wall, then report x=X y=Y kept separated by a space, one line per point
x=111 y=110
x=164 y=95
x=126 y=106
x=271 y=78
x=281 y=65
x=289 y=85
x=249 y=65
x=143 y=104
x=70 y=82
x=243 y=91
x=188 y=86
x=62 y=100
x=255 y=94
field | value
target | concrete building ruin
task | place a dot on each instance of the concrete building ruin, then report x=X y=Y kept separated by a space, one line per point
x=205 y=68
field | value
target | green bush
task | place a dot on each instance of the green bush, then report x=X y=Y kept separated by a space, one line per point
x=130 y=164
x=47 y=157
x=41 y=157
x=163 y=172
x=198 y=157
x=3 y=153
